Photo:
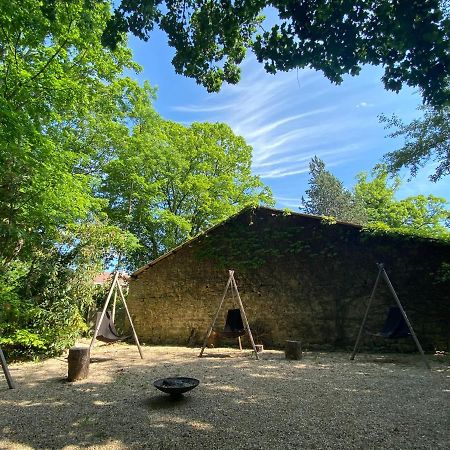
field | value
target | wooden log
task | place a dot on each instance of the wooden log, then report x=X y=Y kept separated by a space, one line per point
x=293 y=350
x=213 y=340
x=78 y=362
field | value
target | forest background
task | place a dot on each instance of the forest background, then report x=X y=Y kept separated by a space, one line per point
x=92 y=176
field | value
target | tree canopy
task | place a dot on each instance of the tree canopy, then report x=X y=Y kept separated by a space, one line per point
x=373 y=203
x=422 y=215
x=426 y=139
x=169 y=182
x=409 y=38
x=89 y=171
x=59 y=97
x=327 y=196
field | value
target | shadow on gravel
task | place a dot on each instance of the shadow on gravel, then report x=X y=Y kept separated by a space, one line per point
x=272 y=403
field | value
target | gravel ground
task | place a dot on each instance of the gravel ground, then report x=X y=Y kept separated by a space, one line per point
x=322 y=401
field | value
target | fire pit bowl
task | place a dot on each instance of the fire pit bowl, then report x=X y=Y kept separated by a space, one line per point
x=176 y=385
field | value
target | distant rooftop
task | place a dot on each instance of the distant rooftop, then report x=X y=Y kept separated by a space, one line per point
x=106 y=277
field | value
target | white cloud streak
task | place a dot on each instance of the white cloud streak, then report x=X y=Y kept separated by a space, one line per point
x=291 y=117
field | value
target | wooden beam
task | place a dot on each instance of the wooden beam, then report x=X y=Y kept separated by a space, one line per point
x=208 y=333
x=8 y=376
x=136 y=340
x=108 y=298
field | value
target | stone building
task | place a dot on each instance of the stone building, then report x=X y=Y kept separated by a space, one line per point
x=299 y=276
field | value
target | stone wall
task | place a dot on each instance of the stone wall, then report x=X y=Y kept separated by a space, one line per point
x=299 y=278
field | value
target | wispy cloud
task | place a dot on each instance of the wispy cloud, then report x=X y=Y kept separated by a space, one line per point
x=364 y=105
x=288 y=202
x=291 y=117
x=287 y=119
x=266 y=129
x=202 y=109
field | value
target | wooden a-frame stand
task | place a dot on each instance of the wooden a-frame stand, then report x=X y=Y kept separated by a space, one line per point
x=8 y=376
x=382 y=273
x=231 y=284
x=115 y=287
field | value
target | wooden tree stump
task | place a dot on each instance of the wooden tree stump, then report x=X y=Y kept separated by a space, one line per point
x=213 y=340
x=293 y=350
x=78 y=360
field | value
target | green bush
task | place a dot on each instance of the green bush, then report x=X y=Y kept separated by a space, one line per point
x=38 y=314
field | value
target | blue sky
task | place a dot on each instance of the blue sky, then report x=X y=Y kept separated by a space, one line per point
x=290 y=117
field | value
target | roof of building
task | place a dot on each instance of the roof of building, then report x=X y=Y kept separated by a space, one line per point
x=260 y=208
x=106 y=277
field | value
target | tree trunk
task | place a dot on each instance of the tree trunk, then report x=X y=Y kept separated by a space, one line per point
x=78 y=360
x=293 y=350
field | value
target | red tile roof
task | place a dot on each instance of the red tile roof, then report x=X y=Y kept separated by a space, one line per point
x=105 y=277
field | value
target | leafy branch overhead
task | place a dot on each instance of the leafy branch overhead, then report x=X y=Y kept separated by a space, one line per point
x=426 y=139
x=409 y=38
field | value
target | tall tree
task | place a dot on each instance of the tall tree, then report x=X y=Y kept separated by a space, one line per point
x=426 y=139
x=327 y=196
x=409 y=38
x=63 y=100
x=374 y=204
x=423 y=215
x=61 y=97
x=172 y=182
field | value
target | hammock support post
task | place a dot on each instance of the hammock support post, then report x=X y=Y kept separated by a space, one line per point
x=8 y=376
x=231 y=283
x=115 y=286
x=382 y=273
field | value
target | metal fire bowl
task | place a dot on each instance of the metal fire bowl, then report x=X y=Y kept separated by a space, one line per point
x=176 y=385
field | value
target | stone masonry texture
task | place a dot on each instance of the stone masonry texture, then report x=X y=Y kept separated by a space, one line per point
x=300 y=278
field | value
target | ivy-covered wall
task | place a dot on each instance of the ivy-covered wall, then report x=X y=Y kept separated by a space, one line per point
x=299 y=278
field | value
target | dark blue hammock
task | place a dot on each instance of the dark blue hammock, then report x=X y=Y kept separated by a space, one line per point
x=234 y=327
x=395 y=326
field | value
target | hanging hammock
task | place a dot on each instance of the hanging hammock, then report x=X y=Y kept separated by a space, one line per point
x=395 y=326
x=234 y=326
x=107 y=331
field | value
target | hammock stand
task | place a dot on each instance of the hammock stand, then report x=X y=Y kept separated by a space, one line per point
x=236 y=324
x=8 y=376
x=397 y=323
x=109 y=332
